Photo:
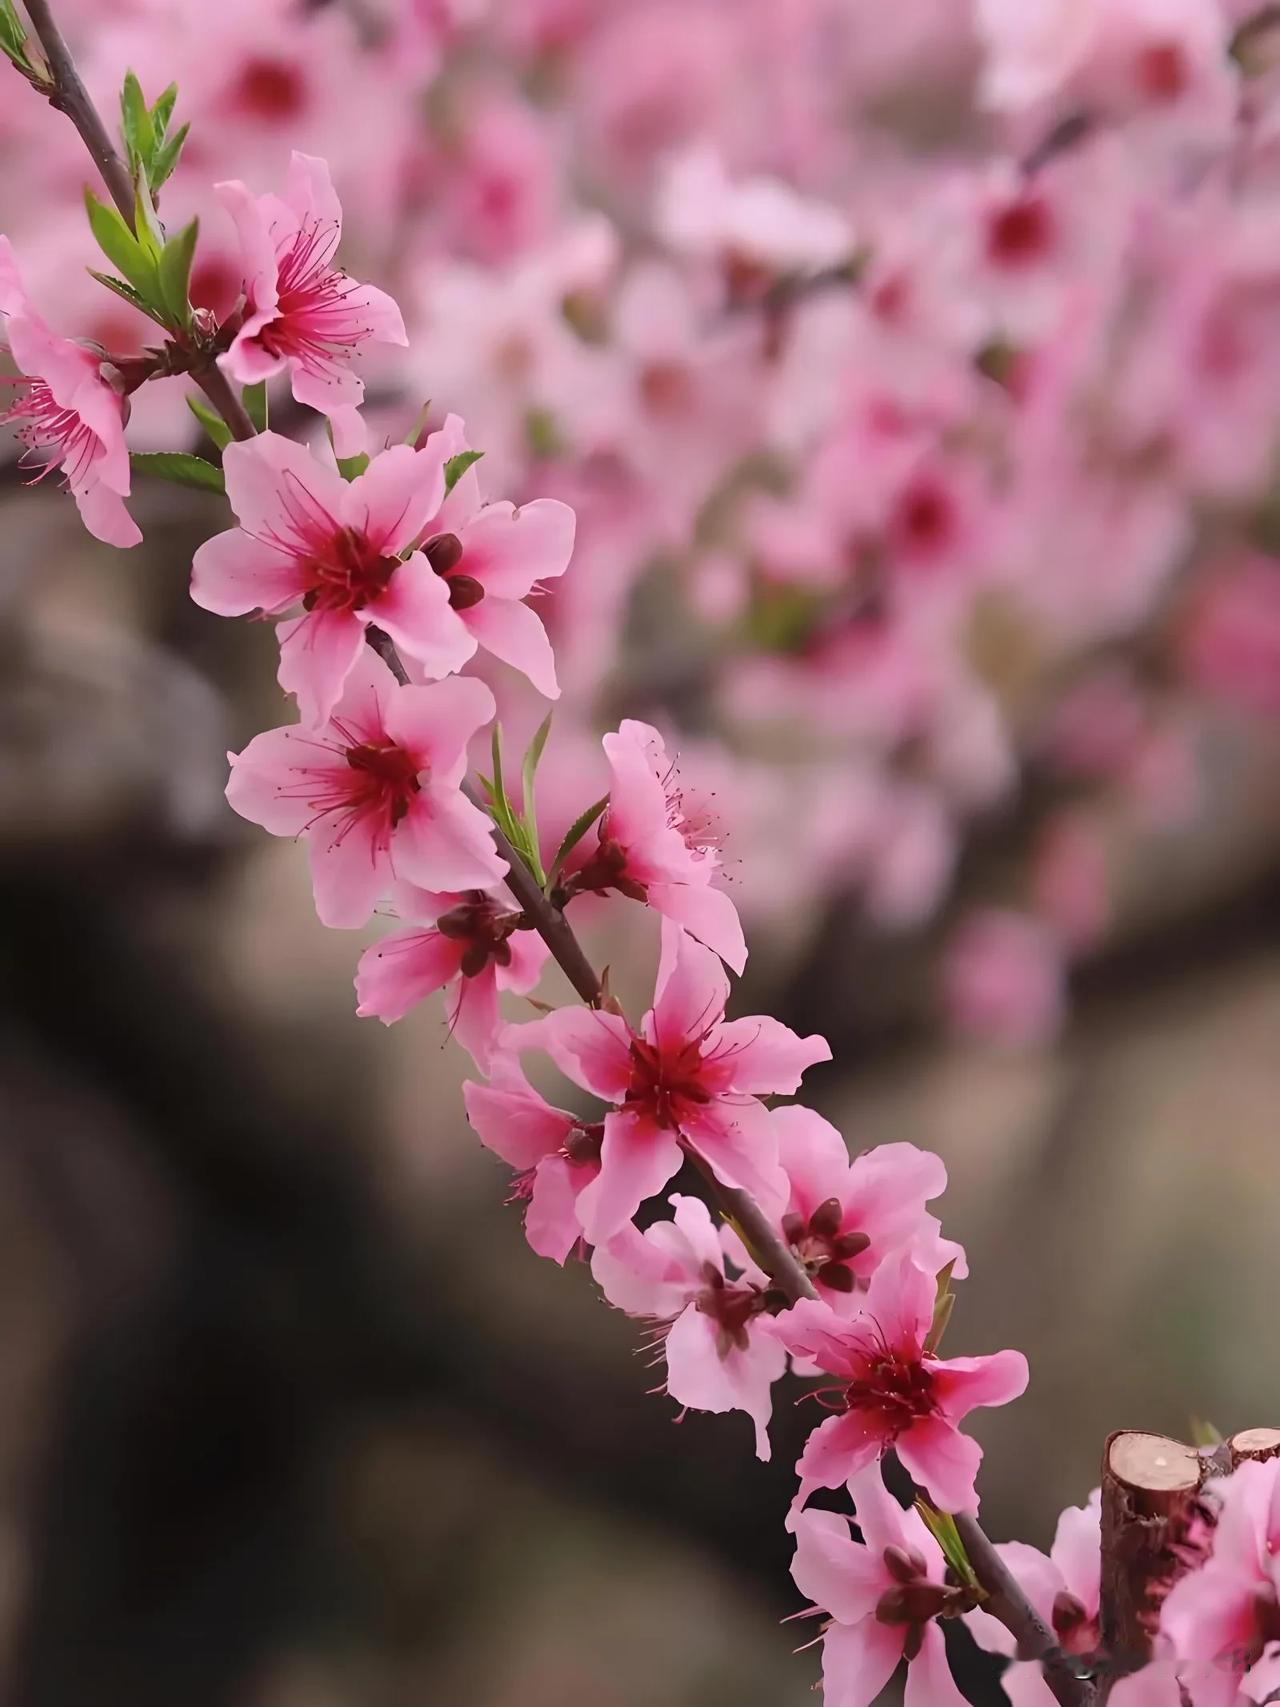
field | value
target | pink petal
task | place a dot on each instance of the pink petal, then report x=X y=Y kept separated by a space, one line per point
x=317 y=653
x=515 y=634
x=395 y=497
x=764 y=1056
x=637 y=801
x=929 y=1679
x=738 y=1140
x=473 y=1015
x=858 y=1660
x=529 y=955
x=275 y=780
x=589 y=1047
x=104 y=515
x=350 y=872
x=900 y=1301
x=435 y=723
x=249 y=362
x=13 y=295
x=1077 y=1550
x=257 y=251
x=415 y=611
x=698 y=1376
x=444 y=842
x=515 y=1124
x=964 y=1383
x=310 y=195
x=1153 y=1686
x=641 y=1274
x=551 y=1221
x=328 y=389
x=833 y=1571
x=381 y=321
x=692 y=989
x=403 y=970
x=233 y=574
x=943 y=1461
x=693 y=1219
x=812 y=1329
x=508 y=550
x=636 y=1160
x=837 y=1449
x=708 y=915
x=273 y=483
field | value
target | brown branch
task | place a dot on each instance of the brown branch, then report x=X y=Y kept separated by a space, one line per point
x=68 y=95
x=1006 y=1601
x=213 y=382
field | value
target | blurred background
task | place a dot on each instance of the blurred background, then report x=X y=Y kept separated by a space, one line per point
x=914 y=379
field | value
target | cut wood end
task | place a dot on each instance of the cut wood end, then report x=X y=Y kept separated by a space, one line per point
x=1154 y=1463
x=1255 y=1443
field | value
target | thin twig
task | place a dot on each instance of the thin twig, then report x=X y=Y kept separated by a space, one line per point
x=1007 y=1603
x=69 y=95
x=213 y=382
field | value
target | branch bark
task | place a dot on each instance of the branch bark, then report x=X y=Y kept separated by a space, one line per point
x=69 y=95
x=1150 y=1499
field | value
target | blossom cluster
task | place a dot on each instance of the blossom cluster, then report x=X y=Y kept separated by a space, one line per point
x=854 y=426
x=916 y=367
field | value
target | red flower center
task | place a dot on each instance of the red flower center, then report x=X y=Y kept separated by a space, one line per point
x=1162 y=71
x=822 y=1247
x=485 y=927
x=53 y=436
x=386 y=779
x=348 y=572
x=731 y=1308
x=270 y=89
x=666 y=1083
x=924 y=523
x=1020 y=233
x=896 y=1390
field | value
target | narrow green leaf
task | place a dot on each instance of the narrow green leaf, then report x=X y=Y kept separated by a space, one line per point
x=13 y=37
x=500 y=805
x=418 y=428
x=943 y=1304
x=942 y=1526
x=162 y=112
x=1204 y=1434
x=573 y=835
x=350 y=466
x=180 y=469
x=457 y=466
x=174 y=273
x=167 y=157
x=135 y=122
x=122 y=249
x=254 y=398
x=211 y=421
x=529 y=810
x=147 y=226
x=130 y=295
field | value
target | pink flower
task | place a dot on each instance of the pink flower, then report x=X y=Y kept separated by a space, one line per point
x=490 y=558
x=557 y=1154
x=66 y=414
x=844 y=1217
x=674 y=1274
x=471 y=941
x=688 y=1078
x=1004 y=979
x=307 y=536
x=1223 y=1620
x=302 y=312
x=657 y=847
x=892 y=1392
x=1065 y=1591
x=375 y=791
x=1232 y=642
x=884 y=1595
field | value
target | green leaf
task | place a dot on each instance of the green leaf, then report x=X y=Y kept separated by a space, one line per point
x=162 y=112
x=167 y=158
x=573 y=835
x=13 y=37
x=529 y=811
x=501 y=809
x=174 y=272
x=457 y=466
x=211 y=421
x=130 y=295
x=1204 y=1434
x=136 y=124
x=180 y=469
x=350 y=466
x=943 y=1304
x=254 y=398
x=146 y=223
x=123 y=250
x=942 y=1526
